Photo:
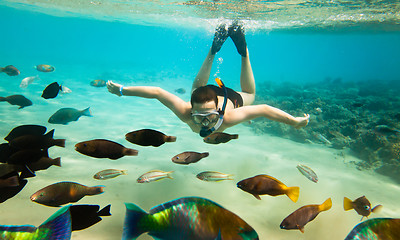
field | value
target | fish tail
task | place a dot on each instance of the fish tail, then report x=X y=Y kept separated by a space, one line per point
x=3 y=99
x=235 y=136
x=12 y=181
x=124 y=172
x=293 y=193
x=57 y=161
x=59 y=142
x=132 y=225
x=347 y=204
x=130 y=152
x=170 y=139
x=325 y=205
x=105 y=211
x=1 y=69
x=169 y=174
x=58 y=225
x=86 y=112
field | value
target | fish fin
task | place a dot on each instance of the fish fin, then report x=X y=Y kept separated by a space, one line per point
x=57 y=162
x=377 y=208
x=27 y=173
x=325 y=205
x=12 y=181
x=347 y=204
x=86 y=112
x=257 y=196
x=130 y=152
x=300 y=228
x=59 y=223
x=105 y=211
x=50 y=134
x=235 y=136
x=133 y=217
x=60 y=142
x=293 y=193
x=170 y=139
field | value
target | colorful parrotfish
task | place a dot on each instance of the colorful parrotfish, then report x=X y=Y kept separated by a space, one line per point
x=186 y=218
x=58 y=226
x=377 y=228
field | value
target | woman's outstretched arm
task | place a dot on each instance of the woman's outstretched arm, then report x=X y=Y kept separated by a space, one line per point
x=179 y=107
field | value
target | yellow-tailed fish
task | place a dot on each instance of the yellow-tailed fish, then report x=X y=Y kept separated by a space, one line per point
x=214 y=176
x=154 y=175
x=58 y=226
x=191 y=218
x=109 y=173
x=377 y=228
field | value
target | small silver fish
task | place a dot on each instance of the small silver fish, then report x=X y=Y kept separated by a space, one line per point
x=323 y=139
x=154 y=175
x=26 y=81
x=109 y=173
x=213 y=176
x=308 y=172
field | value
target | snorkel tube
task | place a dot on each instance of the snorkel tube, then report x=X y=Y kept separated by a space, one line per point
x=204 y=132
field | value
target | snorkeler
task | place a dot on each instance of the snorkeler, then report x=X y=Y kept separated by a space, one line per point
x=215 y=108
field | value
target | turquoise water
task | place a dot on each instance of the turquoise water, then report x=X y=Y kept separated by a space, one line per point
x=167 y=50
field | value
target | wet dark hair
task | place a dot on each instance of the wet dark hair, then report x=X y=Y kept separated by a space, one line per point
x=204 y=94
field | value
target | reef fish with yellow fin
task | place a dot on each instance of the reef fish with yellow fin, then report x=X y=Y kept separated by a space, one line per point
x=191 y=218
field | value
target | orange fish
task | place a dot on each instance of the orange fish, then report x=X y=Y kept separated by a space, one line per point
x=61 y=193
x=299 y=218
x=264 y=184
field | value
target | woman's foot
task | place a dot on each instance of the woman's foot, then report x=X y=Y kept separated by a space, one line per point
x=221 y=34
x=236 y=32
x=301 y=121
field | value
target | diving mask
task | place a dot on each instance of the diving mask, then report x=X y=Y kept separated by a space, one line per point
x=205 y=118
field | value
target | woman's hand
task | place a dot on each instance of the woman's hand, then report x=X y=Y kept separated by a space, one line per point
x=114 y=88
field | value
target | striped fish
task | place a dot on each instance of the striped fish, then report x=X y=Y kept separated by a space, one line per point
x=213 y=176
x=109 y=173
x=154 y=175
x=308 y=172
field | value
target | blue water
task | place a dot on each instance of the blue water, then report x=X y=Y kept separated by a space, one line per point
x=83 y=49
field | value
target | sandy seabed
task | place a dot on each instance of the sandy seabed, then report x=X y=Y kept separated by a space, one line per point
x=245 y=157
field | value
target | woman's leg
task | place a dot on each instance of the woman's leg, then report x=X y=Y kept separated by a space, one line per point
x=221 y=34
x=247 y=82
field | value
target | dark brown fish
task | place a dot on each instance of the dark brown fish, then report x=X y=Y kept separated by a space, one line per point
x=84 y=216
x=265 y=184
x=299 y=218
x=102 y=148
x=25 y=130
x=12 y=181
x=148 y=137
x=220 y=137
x=19 y=100
x=26 y=156
x=37 y=141
x=6 y=151
x=51 y=91
x=66 y=115
x=10 y=70
x=361 y=205
x=6 y=169
x=189 y=157
x=44 y=163
x=9 y=192
x=61 y=193
x=98 y=83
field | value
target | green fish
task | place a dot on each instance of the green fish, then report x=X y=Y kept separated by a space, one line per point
x=58 y=226
x=377 y=228
x=191 y=218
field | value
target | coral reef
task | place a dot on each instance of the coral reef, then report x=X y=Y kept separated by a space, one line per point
x=343 y=115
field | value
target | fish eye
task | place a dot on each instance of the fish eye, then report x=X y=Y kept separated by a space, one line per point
x=84 y=144
x=41 y=194
x=366 y=207
x=177 y=157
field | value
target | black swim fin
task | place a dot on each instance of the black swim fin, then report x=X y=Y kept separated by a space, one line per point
x=236 y=32
x=221 y=34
